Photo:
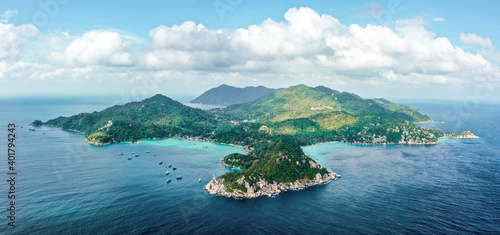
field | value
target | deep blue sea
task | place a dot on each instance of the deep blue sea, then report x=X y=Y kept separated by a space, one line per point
x=66 y=186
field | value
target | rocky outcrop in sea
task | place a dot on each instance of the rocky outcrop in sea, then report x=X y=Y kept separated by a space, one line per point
x=463 y=135
x=263 y=188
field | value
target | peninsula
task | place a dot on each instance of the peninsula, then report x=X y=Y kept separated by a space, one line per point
x=272 y=129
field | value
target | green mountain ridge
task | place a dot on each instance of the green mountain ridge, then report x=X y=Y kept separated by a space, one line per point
x=290 y=103
x=155 y=117
x=229 y=95
x=301 y=101
x=312 y=115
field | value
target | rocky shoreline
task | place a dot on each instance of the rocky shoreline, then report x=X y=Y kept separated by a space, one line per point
x=463 y=135
x=261 y=188
x=229 y=166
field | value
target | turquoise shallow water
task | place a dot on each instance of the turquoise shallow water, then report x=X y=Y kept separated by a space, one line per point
x=68 y=186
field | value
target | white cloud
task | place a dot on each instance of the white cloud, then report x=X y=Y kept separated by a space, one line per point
x=14 y=38
x=475 y=39
x=96 y=48
x=488 y=49
x=492 y=53
x=313 y=43
x=196 y=47
x=307 y=47
x=438 y=19
x=7 y=14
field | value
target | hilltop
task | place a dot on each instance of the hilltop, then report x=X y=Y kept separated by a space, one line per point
x=302 y=101
x=271 y=166
x=312 y=115
x=155 y=117
x=229 y=95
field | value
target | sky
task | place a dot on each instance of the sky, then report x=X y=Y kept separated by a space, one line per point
x=394 y=48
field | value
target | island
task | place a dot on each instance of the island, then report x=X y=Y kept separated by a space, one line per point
x=272 y=129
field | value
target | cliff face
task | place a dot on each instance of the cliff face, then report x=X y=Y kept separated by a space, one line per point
x=263 y=188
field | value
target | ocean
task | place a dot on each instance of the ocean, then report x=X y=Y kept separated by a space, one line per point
x=66 y=186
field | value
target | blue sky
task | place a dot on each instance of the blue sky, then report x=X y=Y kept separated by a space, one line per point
x=405 y=49
x=137 y=17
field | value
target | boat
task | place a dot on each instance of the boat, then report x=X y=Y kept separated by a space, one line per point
x=169 y=165
x=199 y=180
x=132 y=153
x=175 y=168
x=168 y=172
x=120 y=153
x=129 y=158
x=154 y=154
x=147 y=151
x=168 y=181
x=160 y=163
x=137 y=155
x=178 y=177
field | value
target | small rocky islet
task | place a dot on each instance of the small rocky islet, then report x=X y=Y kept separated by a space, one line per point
x=216 y=186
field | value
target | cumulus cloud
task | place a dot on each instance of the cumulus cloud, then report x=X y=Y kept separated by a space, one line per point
x=305 y=46
x=475 y=39
x=493 y=53
x=488 y=49
x=96 y=48
x=14 y=38
x=196 y=47
x=309 y=42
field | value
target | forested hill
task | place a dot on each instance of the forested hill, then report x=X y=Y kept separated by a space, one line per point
x=229 y=95
x=301 y=102
x=155 y=117
x=311 y=115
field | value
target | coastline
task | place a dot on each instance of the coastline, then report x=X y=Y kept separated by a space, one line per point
x=200 y=140
x=236 y=145
x=372 y=144
x=240 y=146
x=328 y=142
x=226 y=165
x=262 y=188
x=139 y=141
